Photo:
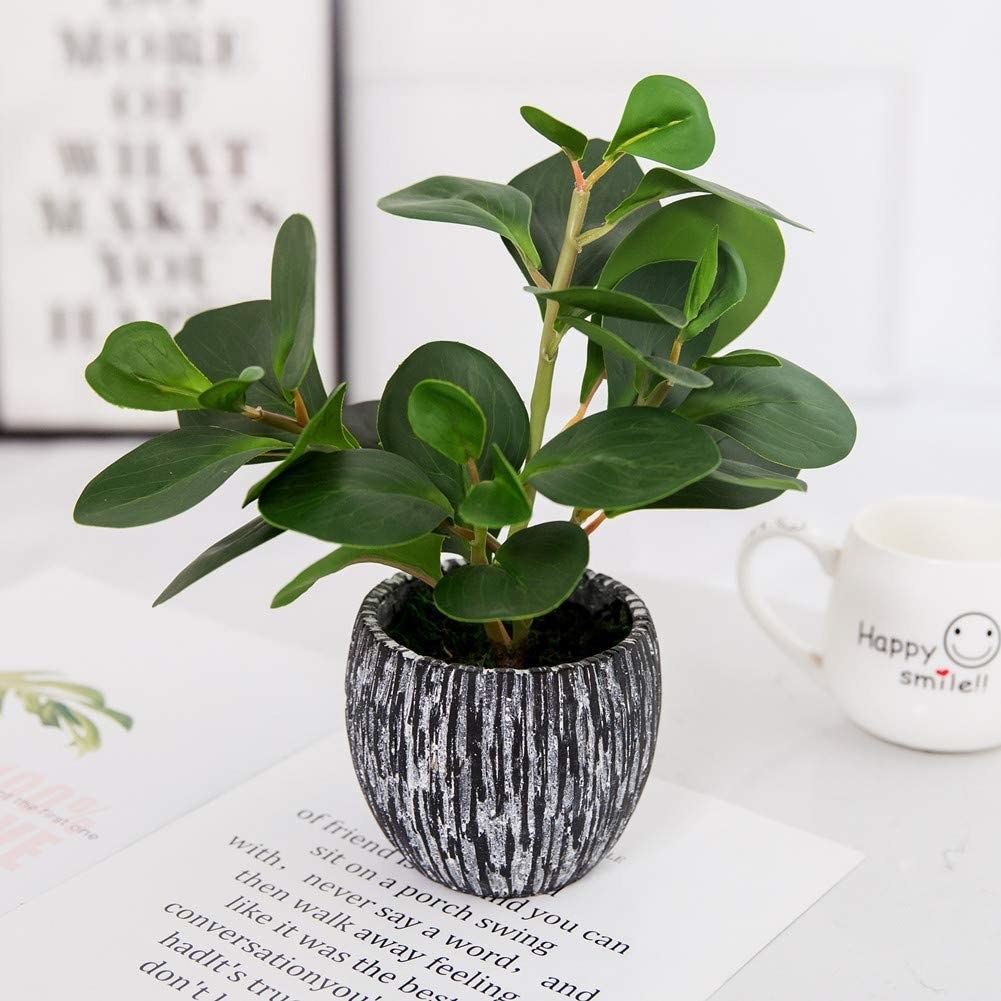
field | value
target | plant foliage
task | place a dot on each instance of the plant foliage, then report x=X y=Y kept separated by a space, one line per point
x=659 y=271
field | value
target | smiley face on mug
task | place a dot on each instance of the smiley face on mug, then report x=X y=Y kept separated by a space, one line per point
x=972 y=640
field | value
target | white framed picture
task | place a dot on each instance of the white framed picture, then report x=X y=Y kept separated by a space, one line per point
x=149 y=150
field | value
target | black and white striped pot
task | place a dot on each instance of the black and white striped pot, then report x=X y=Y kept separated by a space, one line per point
x=502 y=783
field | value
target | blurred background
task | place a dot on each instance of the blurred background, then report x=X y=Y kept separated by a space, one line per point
x=148 y=149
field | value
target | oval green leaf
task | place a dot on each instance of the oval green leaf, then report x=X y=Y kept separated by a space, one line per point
x=255 y=533
x=485 y=381
x=611 y=302
x=361 y=497
x=622 y=458
x=665 y=119
x=142 y=367
x=420 y=558
x=499 y=208
x=167 y=475
x=446 y=417
x=325 y=432
x=741 y=480
x=534 y=572
x=497 y=502
x=569 y=139
x=293 y=300
x=361 y=420
x=728 y=289
x=229 y=339
x=231 y=394
x=678 y=232
x=663 y=182
x=662 y=367
x=785 y=415
x=703 y=277
x=740 y=359
x=665 y=282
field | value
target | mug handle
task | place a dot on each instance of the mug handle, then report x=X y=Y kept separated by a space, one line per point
x=760 y=609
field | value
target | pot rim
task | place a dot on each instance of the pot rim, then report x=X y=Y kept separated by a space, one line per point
x=642 y=626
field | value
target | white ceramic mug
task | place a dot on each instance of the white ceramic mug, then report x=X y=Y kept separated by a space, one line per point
x=912 y=637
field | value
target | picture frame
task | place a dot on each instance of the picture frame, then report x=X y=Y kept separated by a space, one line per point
x=149 y=151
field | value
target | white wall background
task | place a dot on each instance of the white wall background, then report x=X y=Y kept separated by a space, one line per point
x=874 y=122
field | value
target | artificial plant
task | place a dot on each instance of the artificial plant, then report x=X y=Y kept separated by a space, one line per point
x=450 y=458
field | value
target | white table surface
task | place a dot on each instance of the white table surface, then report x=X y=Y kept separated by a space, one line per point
x=921 y=917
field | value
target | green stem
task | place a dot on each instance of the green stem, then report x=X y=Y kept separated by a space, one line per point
x=272 y=419
x=600 y=171
x=596 y=234
x=659 y=392
x=495 y=630
x=549 y=344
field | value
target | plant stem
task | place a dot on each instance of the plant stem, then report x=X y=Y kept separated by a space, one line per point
x=272 y=419
x=474 y=473
x=498 y=634
x=301 y=413
x=495 y=630
x=596 y=523
x=659 y=392
x=468 y=535
x=596 y=234
x=521 y=630
x=582 y=409
x=549 y=345
x=536 y=275
x=599 y=172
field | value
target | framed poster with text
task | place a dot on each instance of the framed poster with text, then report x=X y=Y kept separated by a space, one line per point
x=149 y=150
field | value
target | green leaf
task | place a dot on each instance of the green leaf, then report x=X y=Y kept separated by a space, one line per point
x=361 y=497
x=166 y=475
x=729 y=289
x=666 y=282
x=622 y=458
x=747 y=474
x=662 y=182
x=534 y=572
x=610 y=302
x=255 y=533
x=550 y=184
x=741 y=480
x=739 y=359
x=594 y=368
x=141 y=366
x=293 y=300
x=678 y=232
x=785 y=415
x=325 y=431
x=496 y=502
x=703 y=277
x=572 y=142
x=231 y=394
x=485 y=381
x=665 y=119
x=446 y=417
x=662 y=367
x=227 y=340
x=499 y=208
x=420 y=558
x=362 y=422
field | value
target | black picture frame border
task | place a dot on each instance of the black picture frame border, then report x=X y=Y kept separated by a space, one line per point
x=340 y=354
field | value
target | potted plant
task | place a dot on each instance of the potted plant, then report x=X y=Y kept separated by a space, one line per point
x=503 y=706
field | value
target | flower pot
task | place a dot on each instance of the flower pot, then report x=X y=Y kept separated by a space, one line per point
x=502 y=783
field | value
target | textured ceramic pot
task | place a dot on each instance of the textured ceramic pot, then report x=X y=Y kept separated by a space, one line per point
x=502 y=783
